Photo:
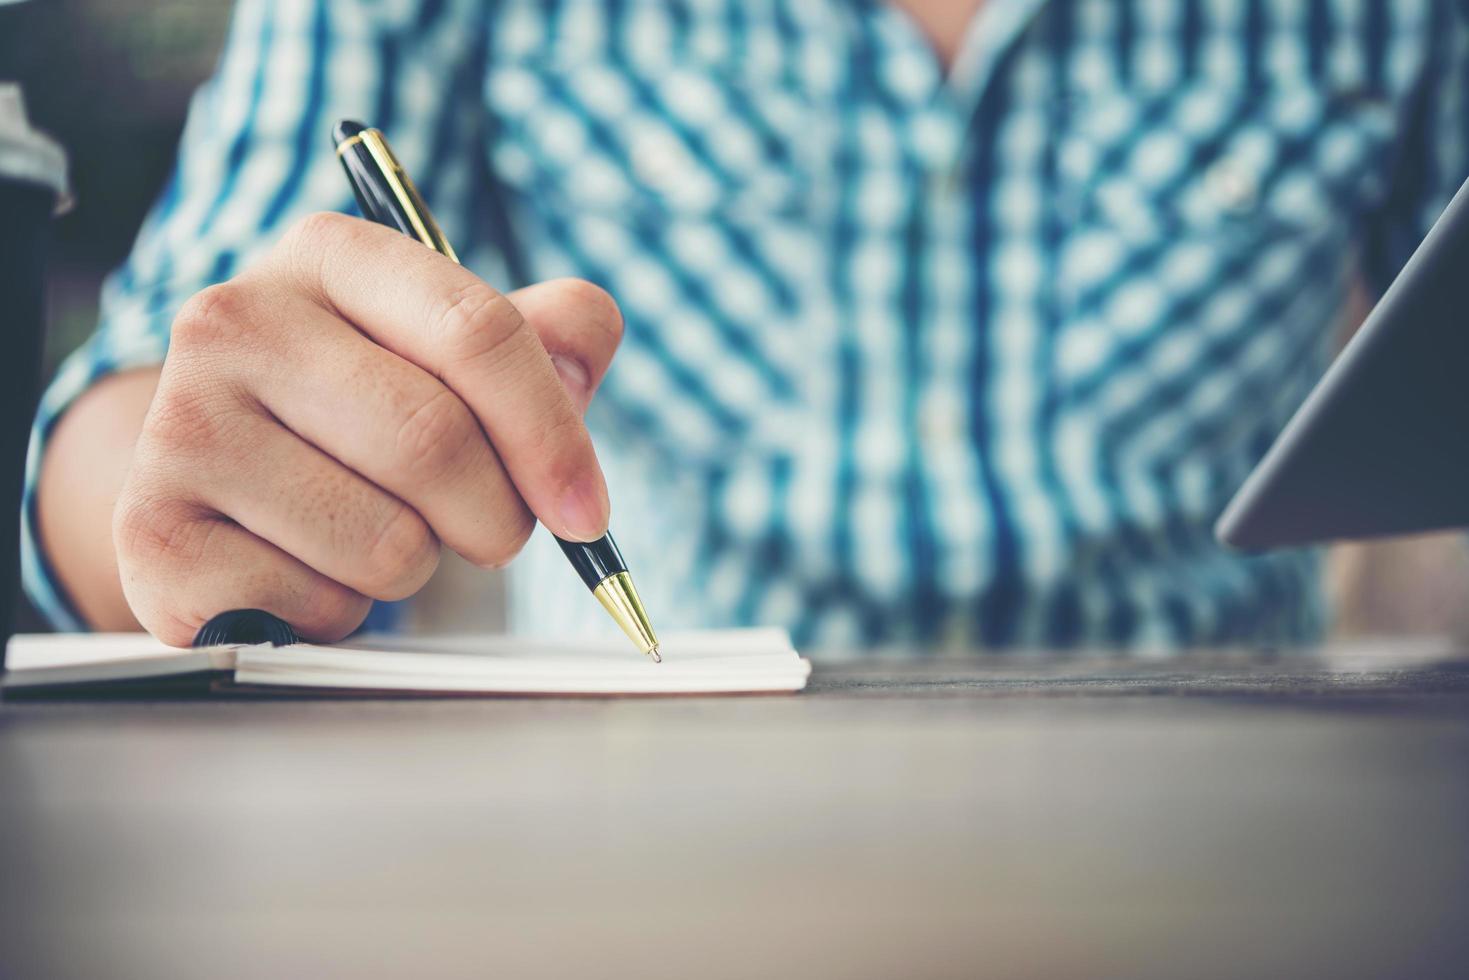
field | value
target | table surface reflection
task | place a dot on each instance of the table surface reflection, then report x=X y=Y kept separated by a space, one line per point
x=1213 y=816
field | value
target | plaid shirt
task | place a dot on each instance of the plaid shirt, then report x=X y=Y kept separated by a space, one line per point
x=971 y=357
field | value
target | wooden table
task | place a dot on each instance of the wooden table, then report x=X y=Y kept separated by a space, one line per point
x=1029 y=818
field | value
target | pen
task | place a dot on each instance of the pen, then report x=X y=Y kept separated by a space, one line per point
x=387 y=195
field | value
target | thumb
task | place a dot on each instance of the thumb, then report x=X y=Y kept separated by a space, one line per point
x=579 y=325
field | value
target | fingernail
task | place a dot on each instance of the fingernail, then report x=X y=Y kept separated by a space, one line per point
x=575 y=377
x=584 y=511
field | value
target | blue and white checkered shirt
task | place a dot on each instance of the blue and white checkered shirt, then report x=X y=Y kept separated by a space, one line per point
x=911 y=357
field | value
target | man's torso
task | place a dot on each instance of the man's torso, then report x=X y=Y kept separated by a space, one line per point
x=974 y=357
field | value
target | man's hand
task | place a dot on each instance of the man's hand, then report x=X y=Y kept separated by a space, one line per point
x=326 y=419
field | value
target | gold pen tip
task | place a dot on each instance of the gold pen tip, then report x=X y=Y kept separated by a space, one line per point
x=618 y=596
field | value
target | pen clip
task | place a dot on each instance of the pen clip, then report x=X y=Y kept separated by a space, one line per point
x=400 y=185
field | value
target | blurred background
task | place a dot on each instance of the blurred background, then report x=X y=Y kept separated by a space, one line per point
x=111 y=80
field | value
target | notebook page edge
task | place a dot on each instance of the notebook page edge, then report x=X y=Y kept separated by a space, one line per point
x=518 y=666
x=302 y=657
x=588 y=684
x=34 y=660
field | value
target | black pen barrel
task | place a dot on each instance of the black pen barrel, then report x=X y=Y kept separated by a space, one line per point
x=373 y=197
x=595 y=561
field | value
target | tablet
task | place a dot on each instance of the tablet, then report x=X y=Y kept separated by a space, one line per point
x=1381 y=445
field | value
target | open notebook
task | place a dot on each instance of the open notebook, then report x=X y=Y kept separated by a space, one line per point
x=704 y=662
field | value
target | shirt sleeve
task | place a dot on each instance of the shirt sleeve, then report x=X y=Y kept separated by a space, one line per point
x=255 y=156
x=1433 y=156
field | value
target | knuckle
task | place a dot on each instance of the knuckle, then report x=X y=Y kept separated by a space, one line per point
x=187 y=415
x=310 y=243
x=434 y=438
x=474 y=322
x=401 y=556
x=149 y=531
x=215 y=317
x=315 y=232
x=176 y=416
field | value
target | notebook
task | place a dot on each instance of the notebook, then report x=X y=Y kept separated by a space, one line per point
x=702 y=662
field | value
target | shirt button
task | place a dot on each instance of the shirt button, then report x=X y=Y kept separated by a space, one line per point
x=1232 y=187
x=1364 y=96
x=658 y=160
x=946 y=182
x=1117 y=199
x=939 y=424
x=1077 y=159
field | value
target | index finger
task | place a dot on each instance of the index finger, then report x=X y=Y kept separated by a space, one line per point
x=433 y=312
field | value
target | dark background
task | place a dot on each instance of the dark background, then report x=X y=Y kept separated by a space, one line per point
x=111 y=80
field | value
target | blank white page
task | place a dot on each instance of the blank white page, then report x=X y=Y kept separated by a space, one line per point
x=754 y=660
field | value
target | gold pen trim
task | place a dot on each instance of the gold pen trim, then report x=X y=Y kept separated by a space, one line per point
x=620 y=598
x=425 y=228
x=348 y=143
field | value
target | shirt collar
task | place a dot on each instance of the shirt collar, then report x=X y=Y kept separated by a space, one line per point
x=989 y=35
